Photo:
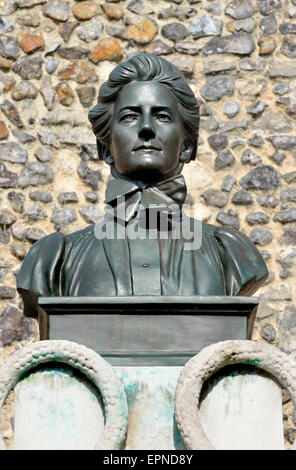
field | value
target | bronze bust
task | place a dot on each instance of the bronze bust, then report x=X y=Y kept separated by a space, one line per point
x=146 y=124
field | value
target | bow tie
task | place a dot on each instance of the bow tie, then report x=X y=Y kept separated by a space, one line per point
x=128 y=200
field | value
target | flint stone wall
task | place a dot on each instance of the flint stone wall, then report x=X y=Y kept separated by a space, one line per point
x=238 y=57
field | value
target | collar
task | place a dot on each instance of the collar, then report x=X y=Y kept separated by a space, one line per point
x=128 y=199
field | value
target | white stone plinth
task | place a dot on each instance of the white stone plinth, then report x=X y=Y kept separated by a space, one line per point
x=242 y=409
x=57 y=408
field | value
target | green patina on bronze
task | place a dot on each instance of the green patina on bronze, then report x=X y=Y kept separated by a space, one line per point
x=146 y=124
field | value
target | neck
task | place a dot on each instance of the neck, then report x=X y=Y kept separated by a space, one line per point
x=150 y=180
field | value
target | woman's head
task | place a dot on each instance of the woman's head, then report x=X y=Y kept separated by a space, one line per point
x=145 y=68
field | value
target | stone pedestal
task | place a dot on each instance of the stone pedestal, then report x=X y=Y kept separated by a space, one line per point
x=59 y=409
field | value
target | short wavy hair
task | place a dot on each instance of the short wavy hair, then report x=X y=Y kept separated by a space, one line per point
x=144 y=67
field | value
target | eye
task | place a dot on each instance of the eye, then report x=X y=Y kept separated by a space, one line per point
x=163 y=117
x=130 y=117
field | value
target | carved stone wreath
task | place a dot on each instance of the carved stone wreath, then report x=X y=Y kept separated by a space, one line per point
x=206 y=363
x=86 y=361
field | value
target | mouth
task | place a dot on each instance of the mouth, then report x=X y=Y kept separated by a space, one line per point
x=147 y=147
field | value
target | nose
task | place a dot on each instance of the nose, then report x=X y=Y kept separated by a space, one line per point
x=146 y=131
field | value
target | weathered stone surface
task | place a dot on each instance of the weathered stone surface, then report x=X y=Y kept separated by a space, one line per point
x=18 y=251
x=86 y=10
x=48 y=94
x=79 y=71
x=288 y=28
x=290 y=177
x=185 y=65
x=273 y=121
x=256 y=140
x=206 y=25
x=231 y=108
x=89 y=176
x=288 y=237
x=139 y=29
x=229 y=219
x=43 y=154
x=90 y=213
x=11 y=113
x=174 y=31
x=14 y=326
x=8 y=7
x=288 y=48
x=240 y=9
x=215 y=197
x=64 y=116
x=250 y=158
x=238 y=43
x=253 y=64
x=284 y=274
x=91 y=196
x=257 y=218
x=29 y=68
x=187 y=47
x=113 y=11
x=86 y=95
x=32 y=42
x=266 y=7
x=65 y=94
x=260 y=236
x=3 y=130
x=31 y=18
x=76 y=137
x=35 y=212
x=268 y=25
x=180 y=13
x=282 y=142
x=267 y=45
x=5 y=64
x=262 y=177
x=63 y=217
x=277 y=292
x=35 y=174
x=7 y=178
x=66 y=29
x=281 y=88
x=29 y=3
x=289 y=104
x=287 y=257
x=17 y=201
x=90 y=31
x=6 y=82
x=234 y=125
x=66 y=198
x=9 y=47
x=285 y=69
x=248 y=25
x=217 y=87
x=48 y=137
x=7 y=218
x=286 y=216
x=89 y=152
x=51 y=66
x=218 y=141
x=256 y=108
x=57 y=10
x=73 y=53
x=158 y=47
x=24 y=90
x=228 y=183
x=267 y=201
x=268 y=332
x=33 y=234
x=223 y=160
x=42 y=196
x=107 y=49
x=139 y=7
x=278 y=157
x=18 y=233
x=13 y=152
x=242 y=198
x=213 y=66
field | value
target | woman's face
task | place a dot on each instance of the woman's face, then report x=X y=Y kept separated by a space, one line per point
x=146 y=131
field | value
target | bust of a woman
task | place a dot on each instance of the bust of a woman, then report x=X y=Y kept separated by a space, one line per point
x=146 y=125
